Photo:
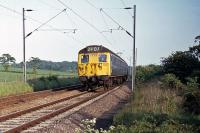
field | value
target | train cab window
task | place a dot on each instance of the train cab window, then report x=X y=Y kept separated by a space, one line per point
x=102 y=58
x=84 y=58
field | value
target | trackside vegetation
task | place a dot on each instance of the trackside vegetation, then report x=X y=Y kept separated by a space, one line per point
x=157 y=106
x=11 y=76
x=167 y=98
x=13 y=88
x=38 y=84
x=168 y=103
x=51 y=82
x=145 y=73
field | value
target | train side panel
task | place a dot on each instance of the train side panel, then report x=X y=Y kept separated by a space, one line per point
x=118 y=66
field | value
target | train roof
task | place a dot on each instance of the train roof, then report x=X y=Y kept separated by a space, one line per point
x=97 y=49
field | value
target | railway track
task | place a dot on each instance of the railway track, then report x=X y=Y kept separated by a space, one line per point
x=10 y=100
x=19 y=121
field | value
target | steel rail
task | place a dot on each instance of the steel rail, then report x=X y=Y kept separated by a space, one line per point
x=21 y=97
x=55 y=113
x=16 y=114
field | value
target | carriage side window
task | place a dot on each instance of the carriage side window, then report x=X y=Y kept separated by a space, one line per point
x=102 y=58
x=84 y=58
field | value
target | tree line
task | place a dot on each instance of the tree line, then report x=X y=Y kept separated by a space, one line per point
x=183 y=73
x=34 y=63
x=183 y=64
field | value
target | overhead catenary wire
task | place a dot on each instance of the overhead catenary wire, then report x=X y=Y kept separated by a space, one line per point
x=19 y=13
x=124 y=4
x=101 y=10
x=32 y=19
x=106 y=24
x=70 y=20
x=121 y=27
x=92 y=4
x=73 y=23
x=57 y=29
x=83 y=19
x=62 y=30
x=46 y=22
x=49 y=5
x=55 y=8
x=12 y=10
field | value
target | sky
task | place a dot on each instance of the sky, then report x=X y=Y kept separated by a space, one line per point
x=162 y=26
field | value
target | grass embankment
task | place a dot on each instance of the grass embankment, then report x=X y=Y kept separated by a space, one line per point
x=39 y=84
x=154 y=109
x=11 y=82
x=13 y=88
x=43 y=83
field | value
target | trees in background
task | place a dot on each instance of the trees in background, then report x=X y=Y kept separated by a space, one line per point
x=144 y=73
x=50 y=65
x=34 y=62
x=6 y=60
x=195 y=50
x=183 y=64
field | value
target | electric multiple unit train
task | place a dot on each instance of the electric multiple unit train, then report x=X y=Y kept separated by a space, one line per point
x=99 y=66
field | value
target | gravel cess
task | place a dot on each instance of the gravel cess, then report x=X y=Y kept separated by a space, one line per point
x=103 y=109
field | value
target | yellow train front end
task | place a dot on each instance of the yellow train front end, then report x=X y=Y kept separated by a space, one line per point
x=93 y=67
x=94 y=64
x=99 y=66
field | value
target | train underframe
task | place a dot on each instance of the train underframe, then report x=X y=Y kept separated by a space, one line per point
x=92 y=82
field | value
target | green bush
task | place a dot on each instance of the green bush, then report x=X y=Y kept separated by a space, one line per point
x=144 y=73
x=51 y=82
x=192 y=83
x=129 y=119
x=191 y=101
x=156 y=123
x=172 y=82
x=144 y=123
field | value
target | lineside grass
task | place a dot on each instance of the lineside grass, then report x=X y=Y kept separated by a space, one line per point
x=11 y=82
x=39 y=84
x=16 y=74
x=151 y=98
x=12 y=88
x=155 y=110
